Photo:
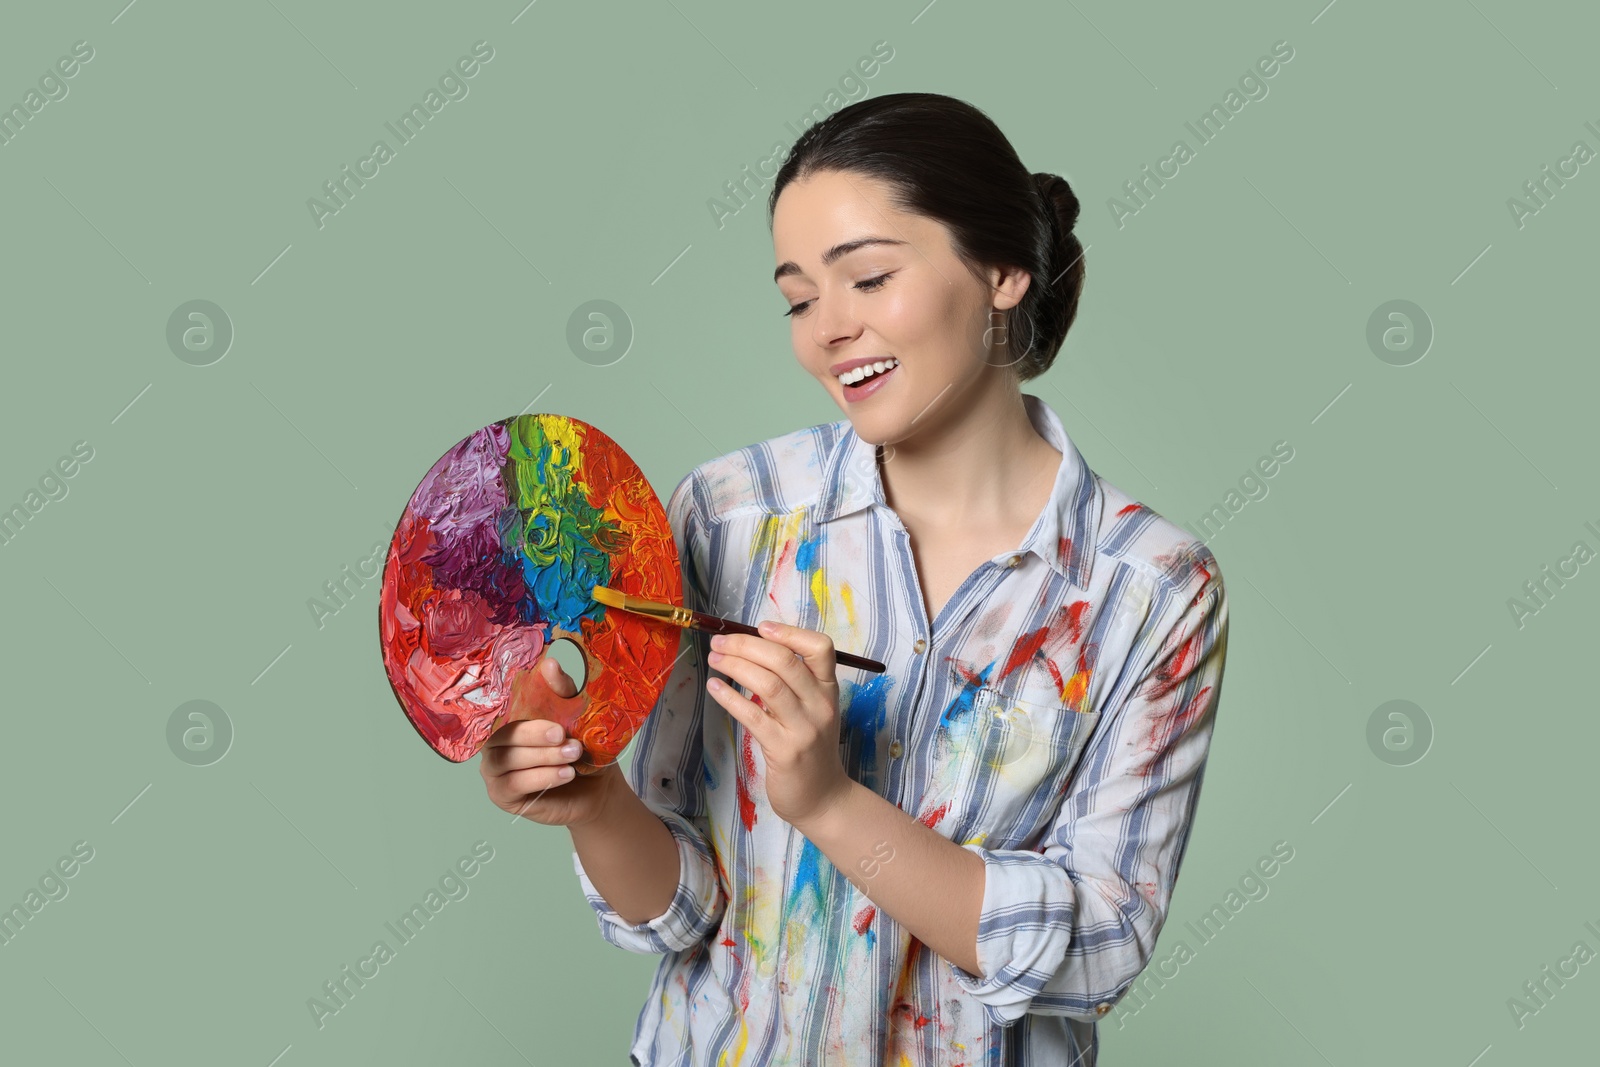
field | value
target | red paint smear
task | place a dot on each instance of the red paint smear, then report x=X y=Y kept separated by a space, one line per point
x=747 y=804
x=1071 y=617
x=1075 y=613
x=730 y=942
x=922 y=1020
x=1131 y=507
x=1175 y=670
x=1023 y=650
x=863 y=919
x=1055 y=673
x=1064 y=550
x=1162 y=731
x=932 y=818
x=963 y=671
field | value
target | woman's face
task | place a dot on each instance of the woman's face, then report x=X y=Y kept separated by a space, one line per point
x=891 y=287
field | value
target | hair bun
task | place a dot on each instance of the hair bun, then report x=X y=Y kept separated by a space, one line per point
x=1059 y=198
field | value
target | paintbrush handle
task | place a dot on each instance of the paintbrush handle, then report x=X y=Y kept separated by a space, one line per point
x=699 y=620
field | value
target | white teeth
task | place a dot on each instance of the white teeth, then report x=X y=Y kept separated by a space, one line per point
x=850 y=377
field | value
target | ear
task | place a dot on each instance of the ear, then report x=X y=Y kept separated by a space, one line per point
x=1009 y=285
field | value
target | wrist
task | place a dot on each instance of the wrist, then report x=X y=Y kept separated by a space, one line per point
x=610 y=783
x=833 y=808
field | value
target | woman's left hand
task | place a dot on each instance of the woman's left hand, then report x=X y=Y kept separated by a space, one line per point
x=795 y=717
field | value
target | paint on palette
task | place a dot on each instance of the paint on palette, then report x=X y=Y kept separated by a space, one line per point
x=495 y=557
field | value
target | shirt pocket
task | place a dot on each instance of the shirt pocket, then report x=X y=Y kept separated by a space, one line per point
x=1019 y=759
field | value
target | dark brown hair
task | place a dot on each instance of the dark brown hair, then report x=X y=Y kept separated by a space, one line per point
x=946 y=160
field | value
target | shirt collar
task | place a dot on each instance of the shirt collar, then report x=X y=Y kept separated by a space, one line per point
x=1063 y=535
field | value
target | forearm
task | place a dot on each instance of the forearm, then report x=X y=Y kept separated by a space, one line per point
x=927 y=883
x=629 y=855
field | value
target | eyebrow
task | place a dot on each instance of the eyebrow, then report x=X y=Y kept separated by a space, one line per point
x=833 y=254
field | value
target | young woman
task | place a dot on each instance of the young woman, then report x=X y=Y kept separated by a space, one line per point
x=967 y=858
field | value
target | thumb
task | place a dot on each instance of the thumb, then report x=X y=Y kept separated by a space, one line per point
x=559 y=680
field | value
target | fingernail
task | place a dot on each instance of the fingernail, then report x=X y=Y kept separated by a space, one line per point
x=554 y=734
x=570 y=748
x=718 y=640
x=565 y=772
x=768 y=627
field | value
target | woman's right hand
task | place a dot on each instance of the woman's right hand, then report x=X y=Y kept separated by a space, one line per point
x=523 y=760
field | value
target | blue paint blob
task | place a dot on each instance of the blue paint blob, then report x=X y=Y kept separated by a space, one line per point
x=808 y=875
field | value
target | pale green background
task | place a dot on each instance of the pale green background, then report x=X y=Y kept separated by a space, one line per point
x=1227 y=315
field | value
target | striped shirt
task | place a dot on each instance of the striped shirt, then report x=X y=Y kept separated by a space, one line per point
x=1054 y=719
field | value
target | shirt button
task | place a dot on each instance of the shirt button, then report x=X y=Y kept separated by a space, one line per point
x=1101 y=1009
x=1013 y=561
x=919 y=646
x=895 y=749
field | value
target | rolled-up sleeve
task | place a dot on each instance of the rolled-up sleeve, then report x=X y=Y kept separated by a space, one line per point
x=1066 y=930
x=668 y=775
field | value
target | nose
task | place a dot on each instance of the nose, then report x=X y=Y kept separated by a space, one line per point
x=834 y=323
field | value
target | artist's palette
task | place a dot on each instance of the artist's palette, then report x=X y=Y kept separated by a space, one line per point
x=495 y=558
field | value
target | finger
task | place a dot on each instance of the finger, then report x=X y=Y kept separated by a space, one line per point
x=783 y=661
x=751 y=717
x=813 y=646
x=521 y=757
x=527 y=732
x=559 y=680
x=769 y=691
x=527 y=784
x=534 y=733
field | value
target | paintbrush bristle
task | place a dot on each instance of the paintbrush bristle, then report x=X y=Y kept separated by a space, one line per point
x=607 y=596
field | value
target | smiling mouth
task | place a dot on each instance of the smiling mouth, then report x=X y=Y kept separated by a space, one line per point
x=859 y=387
x=867 y=371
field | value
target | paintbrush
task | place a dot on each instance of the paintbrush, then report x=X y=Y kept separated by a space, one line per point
x=690 y=619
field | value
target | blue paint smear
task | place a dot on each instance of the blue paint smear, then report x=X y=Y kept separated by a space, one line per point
x=809 y=875
x=959 y=710
x=805 y=553
x=868 y=706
